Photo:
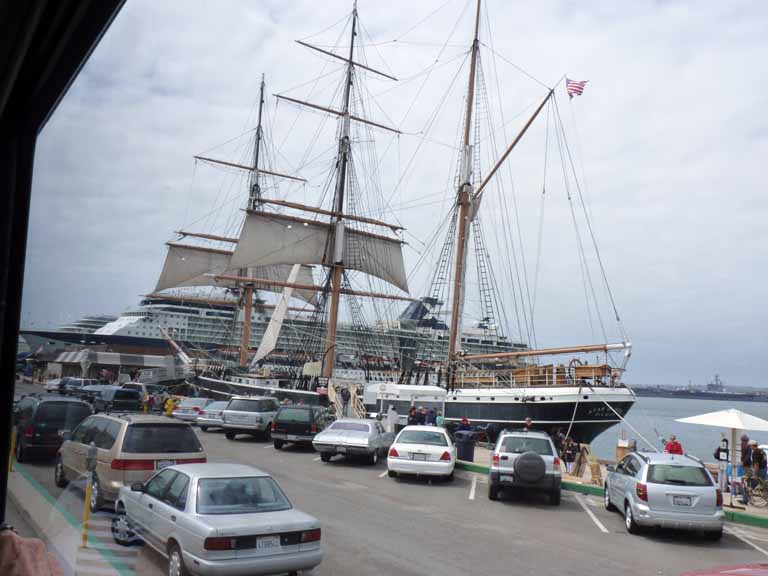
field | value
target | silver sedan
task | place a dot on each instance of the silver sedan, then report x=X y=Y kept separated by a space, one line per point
x=218 y=519
x=353 y=437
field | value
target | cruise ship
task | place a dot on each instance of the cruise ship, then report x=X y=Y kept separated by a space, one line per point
x=213 y=326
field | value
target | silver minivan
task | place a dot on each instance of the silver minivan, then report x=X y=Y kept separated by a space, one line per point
x=665 y=491
x=249 y=415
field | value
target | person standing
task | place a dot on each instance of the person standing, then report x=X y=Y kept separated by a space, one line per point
x=393 y=418
x=673 y=446
x=569 y=453
x=528 y=424
x=345 y=398
x=421 y=416
x=464 y=425
x=412 y=419
x=440 y=421
x=431 y=419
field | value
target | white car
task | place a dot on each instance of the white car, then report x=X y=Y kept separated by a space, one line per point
x=423 y=451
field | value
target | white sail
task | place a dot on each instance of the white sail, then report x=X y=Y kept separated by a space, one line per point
x=272 y=333
x=269 y=238
x=197 y=266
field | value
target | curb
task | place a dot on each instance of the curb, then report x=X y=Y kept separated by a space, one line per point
x=730 y=515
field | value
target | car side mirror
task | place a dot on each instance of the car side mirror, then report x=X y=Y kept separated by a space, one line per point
x=610 y=468
x=137 y=487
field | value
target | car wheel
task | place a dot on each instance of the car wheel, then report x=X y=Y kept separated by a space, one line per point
x=203 y=428
x=629 y=520
x=554 y=497
x=493 y=491
x=21 y=453
x=607 y=499
x=373 y=459
x=176 y=562
x=325 y=456
x=229 y=435
x=714 y=536
x=122 y=530
x=449 y=478
x=278 y=444
x=59 y=477
x=267 y=434
x=96 y=502
x=391 y=473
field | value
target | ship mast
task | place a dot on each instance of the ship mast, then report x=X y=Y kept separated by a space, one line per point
x=464 y=201
x=337 y=272
x=254 y=195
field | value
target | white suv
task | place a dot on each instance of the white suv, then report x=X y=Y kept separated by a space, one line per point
x=523 y=459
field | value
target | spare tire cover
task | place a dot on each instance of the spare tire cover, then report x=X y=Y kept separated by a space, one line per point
x=530 y=467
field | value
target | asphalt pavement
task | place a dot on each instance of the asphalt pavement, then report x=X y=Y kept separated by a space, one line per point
x=373 y=524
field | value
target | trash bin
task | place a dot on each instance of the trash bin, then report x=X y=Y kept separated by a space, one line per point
x=465 y=445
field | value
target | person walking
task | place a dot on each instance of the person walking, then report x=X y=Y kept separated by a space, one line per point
x=673 y=446
x=393 y=419
x=345 y=398
x=569 y=453
x=755 y=466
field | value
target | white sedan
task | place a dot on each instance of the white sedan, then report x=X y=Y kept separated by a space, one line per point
x=423 y=451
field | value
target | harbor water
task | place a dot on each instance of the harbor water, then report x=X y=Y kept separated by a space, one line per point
x=655 y=417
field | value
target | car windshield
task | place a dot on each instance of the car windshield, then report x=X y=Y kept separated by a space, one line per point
x=156 y=438
x=190 y=402
x=294 y=415
x=356 y=426
x=678 y=475
x=244 y=405
x=214 y=406
x=422 y=437
x=240 y=496
x=519 y=444
x=62 y=414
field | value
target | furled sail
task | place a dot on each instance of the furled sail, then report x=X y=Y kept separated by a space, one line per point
x=197 y=266
x=269 y=238
x=272 y=333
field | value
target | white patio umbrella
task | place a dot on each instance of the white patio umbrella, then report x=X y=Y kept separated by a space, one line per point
x=733 y=419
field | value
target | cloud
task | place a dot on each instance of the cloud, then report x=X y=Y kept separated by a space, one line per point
x=670 y=133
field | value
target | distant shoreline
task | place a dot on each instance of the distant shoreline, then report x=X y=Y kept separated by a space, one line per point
x=683 y=394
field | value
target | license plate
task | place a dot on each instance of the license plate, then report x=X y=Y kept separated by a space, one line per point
x=341 y=449
x=419 y=456
x=681 y=500
x=292 y=437
x=165 y=463
x=268 y=542
x=506 y=479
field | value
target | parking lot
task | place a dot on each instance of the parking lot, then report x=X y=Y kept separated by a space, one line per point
x=373 y=524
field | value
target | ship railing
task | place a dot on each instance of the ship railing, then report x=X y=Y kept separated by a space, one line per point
x=594 y=375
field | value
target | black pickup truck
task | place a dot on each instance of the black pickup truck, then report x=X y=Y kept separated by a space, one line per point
x=298 y=424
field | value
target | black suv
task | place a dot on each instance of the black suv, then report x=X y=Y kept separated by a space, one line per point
x=40 y=422
x=115 y=398
x=298 y=424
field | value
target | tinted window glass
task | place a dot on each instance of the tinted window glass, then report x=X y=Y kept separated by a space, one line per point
x=177 y=493
x=239 y=496
x=678 y=475
x=422 y=437
x=160 y=483
x=216 y=406
x=190 y=402
x=632 y=467
x=127 y=395
x=151 y=438
x=105 y=433
x=293 y=415
x=80 y=432
x=518 y=445
x=251 y=405
x=357 y=426
x=61 y=415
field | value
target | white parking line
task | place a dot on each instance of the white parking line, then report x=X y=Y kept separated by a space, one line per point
x=383 y=474
x=473 y=488
x=734 y=532
x=316 y=459
x=268 y=446
x=591 y=514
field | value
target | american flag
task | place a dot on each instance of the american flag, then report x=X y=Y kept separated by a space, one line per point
x=575 y=87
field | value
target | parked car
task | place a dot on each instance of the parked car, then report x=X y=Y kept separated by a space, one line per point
x=91 y=392
x=212 y=416
x=52 y=385
x=218 y=519
x=353 y=438
x=249 y=415
x=665 y=491
x=526 y=460
x=69 y=385
x=40 y=422
x=115 y=398
x=422 y=451
x=190 y=409
x=129 y=448
x=298 y=424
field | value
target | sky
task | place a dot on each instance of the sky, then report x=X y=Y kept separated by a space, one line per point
x=668 y=142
